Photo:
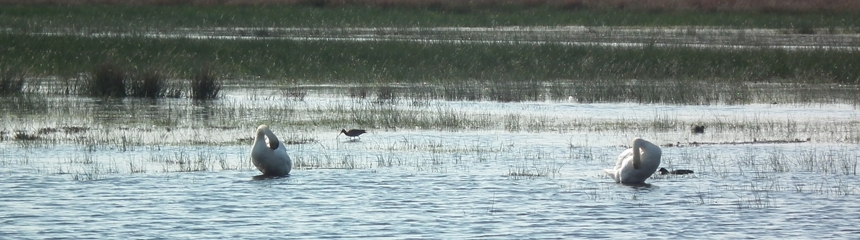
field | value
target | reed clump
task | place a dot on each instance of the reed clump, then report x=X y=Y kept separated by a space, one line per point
x=118 y=15
x=148 y=83
x=112 y=81
x=11 y=82
x=445 y=63
x=205 y=85
x=106 y=80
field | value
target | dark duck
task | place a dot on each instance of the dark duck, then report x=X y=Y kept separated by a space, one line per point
x=663 y=171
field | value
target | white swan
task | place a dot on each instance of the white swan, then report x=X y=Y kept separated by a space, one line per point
x=271 y=159
x=636 y=164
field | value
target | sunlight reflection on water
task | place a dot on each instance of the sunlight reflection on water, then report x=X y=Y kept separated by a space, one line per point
x=435 y=194
x=159 y=181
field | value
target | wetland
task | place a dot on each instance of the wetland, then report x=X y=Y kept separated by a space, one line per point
x=474 y=131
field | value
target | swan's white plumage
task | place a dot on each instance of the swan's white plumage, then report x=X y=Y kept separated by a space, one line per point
x=270 y=161
x=636 y=168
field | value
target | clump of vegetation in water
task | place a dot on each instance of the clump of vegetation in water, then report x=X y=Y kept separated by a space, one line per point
x=205 y=85
x=11 y=82
x=148 y=83
x=106 y=80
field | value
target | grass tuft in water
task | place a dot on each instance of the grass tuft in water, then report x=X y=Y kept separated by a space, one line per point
x=148 y=83
x=107 y=80
x=205 y=85
x=11 y=82
x=24 y=136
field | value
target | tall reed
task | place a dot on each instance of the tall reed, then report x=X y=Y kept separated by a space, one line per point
x=11 y=82
x=148 y=83
x=106 y=80
x=205 y=85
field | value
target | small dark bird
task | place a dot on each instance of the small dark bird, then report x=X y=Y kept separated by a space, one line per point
x=697 y=129
x=663 y=171
x=352 y=133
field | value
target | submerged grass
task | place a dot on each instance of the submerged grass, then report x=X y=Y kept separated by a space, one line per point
x=395 y=61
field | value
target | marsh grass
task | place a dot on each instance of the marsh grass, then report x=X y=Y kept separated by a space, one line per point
x=11 y=81
x=107 y=80
x=522 y=67
x=670 y=91
x=147 y=83
x=328 y=161
x=24 y=136
x=151 y=122
x=295 y=93
x=205 y=85
x=136 y=166
x=85 y=15
x=86 y=167
x=534 y=165
x=185 y=162
x=758 y=198
x=775 y=161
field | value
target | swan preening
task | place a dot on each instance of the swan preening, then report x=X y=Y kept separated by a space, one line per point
x=636 y=164
x=663 y=171
x=270 y=155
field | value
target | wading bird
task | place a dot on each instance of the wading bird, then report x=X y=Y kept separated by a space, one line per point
x=636 y=164
x=270 y=155
x=352 y=133
x=663 y=171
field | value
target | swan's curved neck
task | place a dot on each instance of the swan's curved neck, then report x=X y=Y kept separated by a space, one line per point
x=261 y=137
x=271 y=135
x=637 y=161
x=262 y=134
x=273 y=140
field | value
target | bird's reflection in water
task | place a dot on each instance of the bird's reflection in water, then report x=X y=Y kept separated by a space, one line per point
x=267 y=177
x=638 y=185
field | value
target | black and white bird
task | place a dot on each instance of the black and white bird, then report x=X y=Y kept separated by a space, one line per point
x=352 y=133
x=663 y=171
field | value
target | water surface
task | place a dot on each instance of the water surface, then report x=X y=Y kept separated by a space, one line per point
x=125 y=177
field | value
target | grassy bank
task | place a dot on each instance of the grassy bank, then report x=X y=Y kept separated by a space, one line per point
x=102 y=17
x=398 y=61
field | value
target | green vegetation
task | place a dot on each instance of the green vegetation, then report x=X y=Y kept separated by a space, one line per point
x=11 y=82
x=96 y=18
x=205 y=85
x=148 y=83
x=107 y=80
x=400 y=61
x=110 y=80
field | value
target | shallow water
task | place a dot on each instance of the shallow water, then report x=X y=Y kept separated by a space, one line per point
x=460 y=195
x=189 y=176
